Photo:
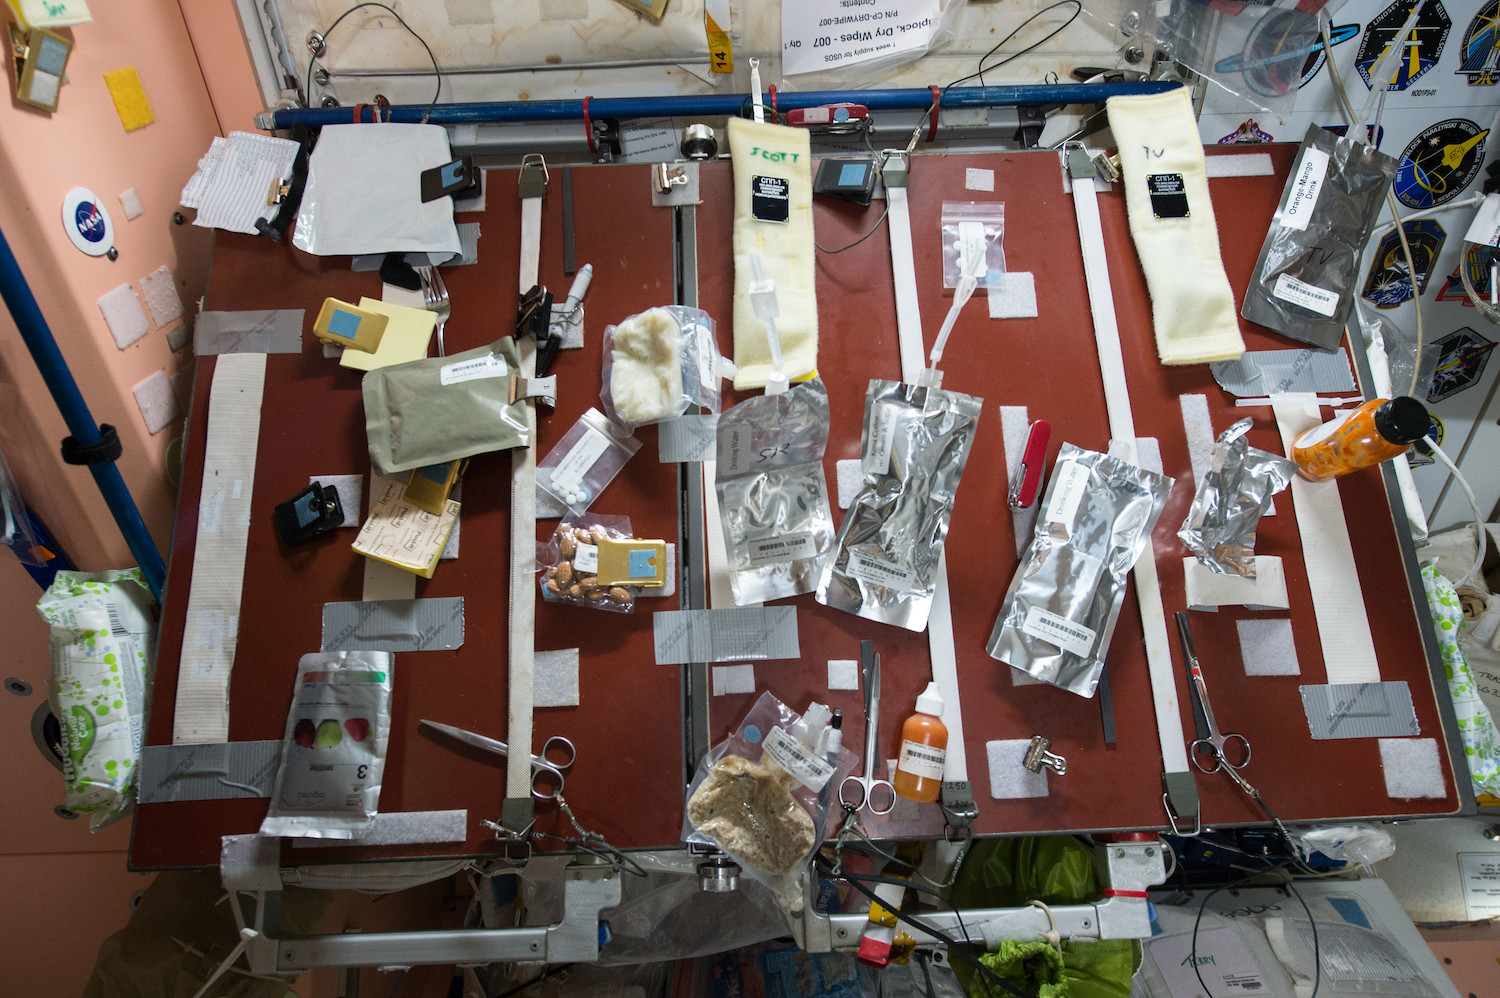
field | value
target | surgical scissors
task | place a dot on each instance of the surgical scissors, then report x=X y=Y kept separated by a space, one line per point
x=1210 y=752
x=868 y=783
x=546 y=775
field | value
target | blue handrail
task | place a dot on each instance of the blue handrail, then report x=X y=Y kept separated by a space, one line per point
x=75 y=412
x=716 y=105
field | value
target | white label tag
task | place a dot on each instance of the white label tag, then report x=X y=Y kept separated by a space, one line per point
x=1288 y=288
x=1485 y=229
x=799 y=762
x=586 y=558
x=569 y=473
x=1224 y=963
x=488 y=366
x=1303 y=196
x=775 y=550
x=708 y=358
x=1068 y=482
x=877 y=458
x=1060 y=631
x=737 y=442
x=921 y=760
x=880 y=572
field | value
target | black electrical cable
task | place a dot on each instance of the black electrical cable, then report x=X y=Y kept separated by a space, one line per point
x=1198 y=921
x=438 y=73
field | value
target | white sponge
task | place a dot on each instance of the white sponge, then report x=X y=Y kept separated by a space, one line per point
x=155 y=400
x=1009 y=780
x=130 y=203
x=555 y=683
x=122 y=313
x=1267 y=648
x=1412 y=768
x=851 y=478
x=1014 y=297
x=161 y=296
x=645 y=381
x=843 y=674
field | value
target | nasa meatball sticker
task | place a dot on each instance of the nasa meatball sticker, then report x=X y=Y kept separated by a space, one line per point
x=86 y=222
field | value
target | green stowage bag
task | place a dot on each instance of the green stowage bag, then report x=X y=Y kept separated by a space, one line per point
x=1055 y=869
x=102 y=633
x=441 y=409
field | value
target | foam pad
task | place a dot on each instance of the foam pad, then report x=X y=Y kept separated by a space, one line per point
x=1009 y=780
x=161 y=296
x=351 y=490
x=851 y=479
x=1267 y=648
x=156 y=401
x=979 y=180
x=1413 y=769
x=733 y=679
x=130 y=204
x=843 y=674
x=1014 y=297
x=123 y=314
x=555 y=680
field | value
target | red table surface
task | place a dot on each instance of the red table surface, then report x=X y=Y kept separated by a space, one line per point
x=627 y=781
x=1050 y=365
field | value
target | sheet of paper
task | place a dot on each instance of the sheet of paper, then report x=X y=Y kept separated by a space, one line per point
x=1481 y=877
x=229 y=190
x=825 y=34
x=1223 y=961
x=406 y=336
x=399 y=533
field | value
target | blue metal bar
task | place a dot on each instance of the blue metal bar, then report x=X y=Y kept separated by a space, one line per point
x=75 y=412
x=715 y=105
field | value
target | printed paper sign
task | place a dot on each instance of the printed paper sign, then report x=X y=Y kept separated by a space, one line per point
x=825 y=34
x=1221 y=958
x=1303 y=196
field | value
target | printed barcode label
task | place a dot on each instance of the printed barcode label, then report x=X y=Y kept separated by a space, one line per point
x=879 y=572
x=1060 y=631
x=569 y=473
x=116 y=626
x=1302 y=197
x=794 y=757
x=922 y=760
x=776 y=550
x=586 y=558
x=1288 y=288
x=488 y=366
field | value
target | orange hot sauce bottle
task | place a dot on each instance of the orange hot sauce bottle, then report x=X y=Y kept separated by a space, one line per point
x=924 y=749
x=1376 y=431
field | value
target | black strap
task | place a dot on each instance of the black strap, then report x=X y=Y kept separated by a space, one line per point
x=106 y=450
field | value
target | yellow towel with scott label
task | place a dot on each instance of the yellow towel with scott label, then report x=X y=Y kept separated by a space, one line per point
x=1172 y=222
x=773 y=217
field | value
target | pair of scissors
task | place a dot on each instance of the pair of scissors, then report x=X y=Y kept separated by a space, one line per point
x=866 y=786
x=546 y=774
x=1215 y=750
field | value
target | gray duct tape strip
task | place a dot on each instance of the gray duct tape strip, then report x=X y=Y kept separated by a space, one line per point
x=434 y=624
x=1360 y=710
x=684 y=636
x=392 y=828
x=276 y=330
x=1269 y=372
x=687 y=438
x=218 y=771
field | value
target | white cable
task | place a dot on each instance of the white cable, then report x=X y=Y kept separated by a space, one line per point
x=1463 y=483
x=1416 y=216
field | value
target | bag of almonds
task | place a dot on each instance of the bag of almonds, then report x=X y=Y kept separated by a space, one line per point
x=568 y=564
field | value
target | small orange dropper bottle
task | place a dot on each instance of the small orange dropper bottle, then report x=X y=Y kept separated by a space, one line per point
x=924 y=750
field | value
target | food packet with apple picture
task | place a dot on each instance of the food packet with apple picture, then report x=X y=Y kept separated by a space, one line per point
x=328 y=782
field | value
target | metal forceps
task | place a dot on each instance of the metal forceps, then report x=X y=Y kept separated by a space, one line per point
x=1214 y=750
x=868 y=785
x=546 y=775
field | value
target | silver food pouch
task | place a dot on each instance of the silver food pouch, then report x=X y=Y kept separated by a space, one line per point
x=440 y=409
x=328 y=782
x=1305 y=280
x=1059 y=613
x=1233 y=495
x=915 y=445
x=773 y=497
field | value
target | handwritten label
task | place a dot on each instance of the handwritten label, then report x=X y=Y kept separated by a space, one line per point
x=1066 y=634
x=488 y=366
x=1223 y=961
x=799 y=762
x=824 y=34
x=1303 y=196
x=1288 y=288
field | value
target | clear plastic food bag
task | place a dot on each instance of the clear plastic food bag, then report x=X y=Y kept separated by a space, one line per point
x=569 y=564
x=773 y=494
x=973 y=231
x=659 y=362
x=333 y=755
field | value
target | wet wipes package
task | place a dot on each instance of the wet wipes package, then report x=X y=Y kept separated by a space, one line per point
x=915 y=444
x=328 y=783
x=773 y=496
x=1059 y=613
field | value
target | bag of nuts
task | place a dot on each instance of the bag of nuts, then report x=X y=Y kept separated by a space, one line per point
x=569 y=564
